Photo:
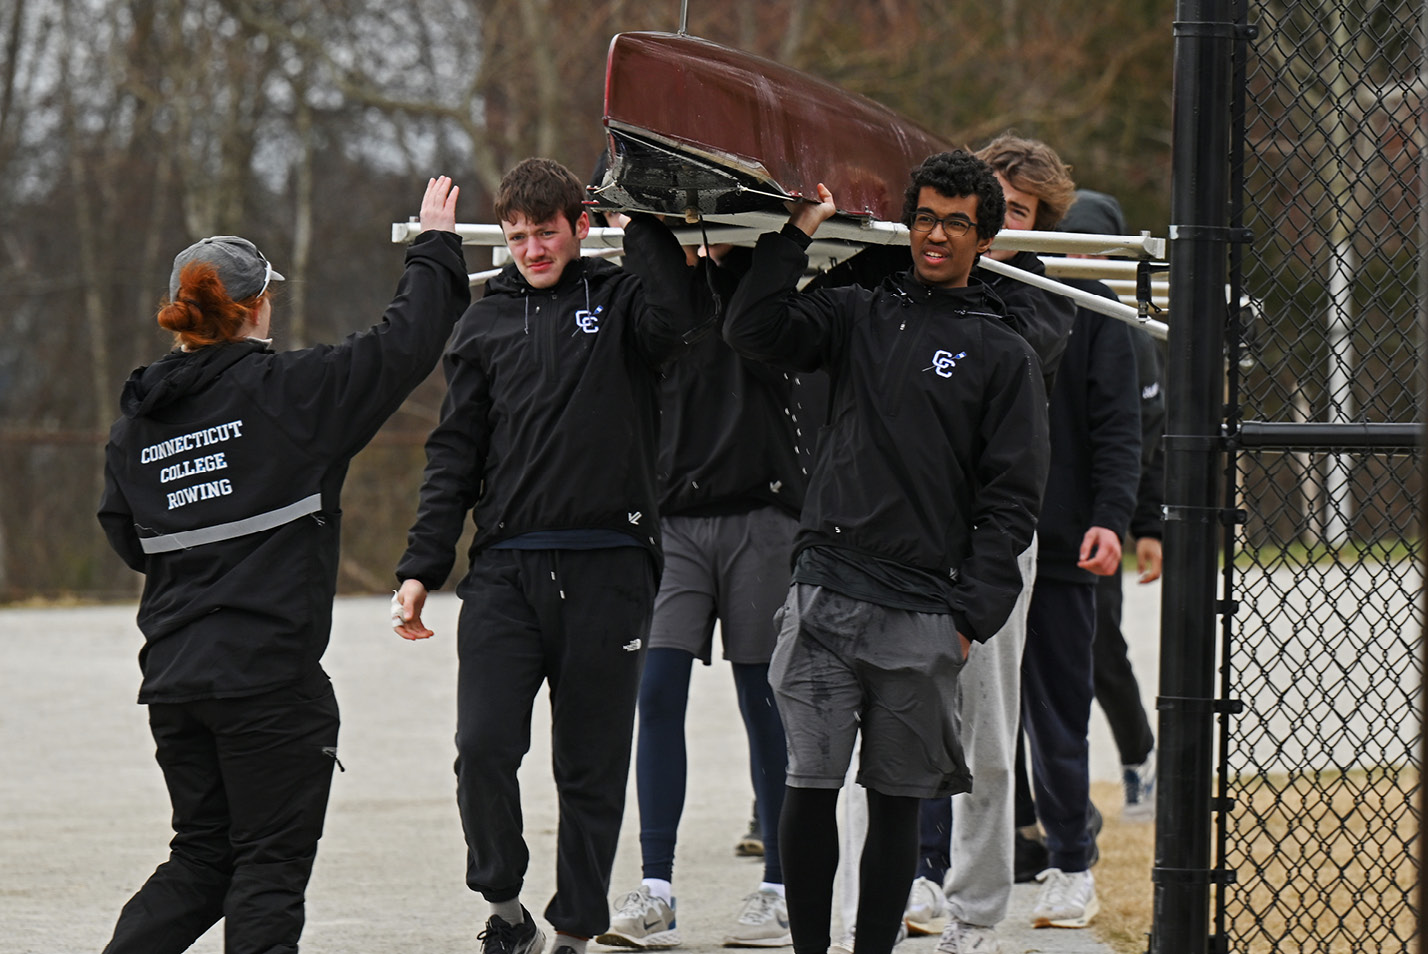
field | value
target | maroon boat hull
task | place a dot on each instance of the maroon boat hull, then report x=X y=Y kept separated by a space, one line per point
x=695 y=125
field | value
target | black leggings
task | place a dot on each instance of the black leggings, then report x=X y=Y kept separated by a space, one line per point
x=808 y=832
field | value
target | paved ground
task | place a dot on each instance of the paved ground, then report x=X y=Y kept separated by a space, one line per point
x=83 y=814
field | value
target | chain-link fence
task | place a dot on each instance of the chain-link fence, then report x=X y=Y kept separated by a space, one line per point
x=1318 y=821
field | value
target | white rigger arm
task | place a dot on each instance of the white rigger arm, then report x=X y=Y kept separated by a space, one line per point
x=841 y=237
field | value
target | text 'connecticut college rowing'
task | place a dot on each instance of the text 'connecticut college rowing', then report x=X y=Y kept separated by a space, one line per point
x=199 y=465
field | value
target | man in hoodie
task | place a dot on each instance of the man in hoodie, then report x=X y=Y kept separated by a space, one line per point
x=969 y=853
x=548 y=438
x=1117 y=689
x=1095 y=454
x=924 y=491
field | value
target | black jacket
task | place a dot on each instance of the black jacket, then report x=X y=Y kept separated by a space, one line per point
x=551 y=416
x=936 y=452
x=223 y=477
x=1148 y=521
x=1095 y=442
x=1042 y=318
x=730 y=428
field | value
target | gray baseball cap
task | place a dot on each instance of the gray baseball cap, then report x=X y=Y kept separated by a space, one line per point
x=243 y=270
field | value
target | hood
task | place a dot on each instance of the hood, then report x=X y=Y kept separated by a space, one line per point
x=975 y=296
x=511 y=282
x=179 y=374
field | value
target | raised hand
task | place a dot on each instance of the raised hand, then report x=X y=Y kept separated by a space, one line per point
x=438 y=205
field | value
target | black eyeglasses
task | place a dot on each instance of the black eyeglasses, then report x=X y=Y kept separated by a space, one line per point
x=953 y=225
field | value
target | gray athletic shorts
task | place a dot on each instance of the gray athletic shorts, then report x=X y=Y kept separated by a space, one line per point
x=733 y=568
x=842 y=665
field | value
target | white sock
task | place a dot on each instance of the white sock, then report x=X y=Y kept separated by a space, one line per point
x=660 y=889
x=775 y=888
x=509 y=911
x=575 y=944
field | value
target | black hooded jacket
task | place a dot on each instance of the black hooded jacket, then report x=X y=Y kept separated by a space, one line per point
x=1095 y=441
x=936 y=451
x=551 y=415
x=223 y=478
x=1042 y=318
x=730 y=428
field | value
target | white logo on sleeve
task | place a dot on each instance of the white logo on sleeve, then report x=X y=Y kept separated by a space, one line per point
x=943 y=362
x=589 y=321
x=634 y=517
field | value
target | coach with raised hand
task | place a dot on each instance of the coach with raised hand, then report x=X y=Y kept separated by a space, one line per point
x=222 y=486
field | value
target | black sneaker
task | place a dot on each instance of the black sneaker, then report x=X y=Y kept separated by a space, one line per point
x=1093 y=828
x=1029 y=858
x=751 y=845
x=502 y=937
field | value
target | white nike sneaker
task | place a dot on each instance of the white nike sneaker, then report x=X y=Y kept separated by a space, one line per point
x=642 y=920
x=763 y=922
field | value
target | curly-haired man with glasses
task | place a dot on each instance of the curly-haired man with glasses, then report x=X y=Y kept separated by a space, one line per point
x=925 y=488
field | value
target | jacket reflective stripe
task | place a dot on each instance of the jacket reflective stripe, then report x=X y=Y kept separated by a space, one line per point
x=186 y=539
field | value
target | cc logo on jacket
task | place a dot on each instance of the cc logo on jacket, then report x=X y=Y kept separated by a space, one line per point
x=943 y=362
x=589 y=321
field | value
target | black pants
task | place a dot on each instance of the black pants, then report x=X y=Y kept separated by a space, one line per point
x=1056 y=695
x=1117 y=690
x=578 y=619
x=249 y=780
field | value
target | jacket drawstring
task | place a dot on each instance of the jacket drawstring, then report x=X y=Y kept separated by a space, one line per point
x=585 y=280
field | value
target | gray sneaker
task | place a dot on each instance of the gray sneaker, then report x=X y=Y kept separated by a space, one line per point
x=751 y=843
x=642 y=920
x=959 y=937
x=1140 y=790
x=762 y=922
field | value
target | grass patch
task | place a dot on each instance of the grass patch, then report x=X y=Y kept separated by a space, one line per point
x=1326 y=862
x=1123 y=875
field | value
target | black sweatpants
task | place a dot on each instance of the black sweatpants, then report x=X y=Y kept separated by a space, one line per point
x=1117 y=690
x=1056 y=694
x=579 y=620
x=248 y=779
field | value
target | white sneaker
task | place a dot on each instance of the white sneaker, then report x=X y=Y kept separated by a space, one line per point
x=926 y=908
x=844 y=945
x=1067 y=899
x=763 y=922
x=642 y=920
x=1140 y=790
x=962 y=938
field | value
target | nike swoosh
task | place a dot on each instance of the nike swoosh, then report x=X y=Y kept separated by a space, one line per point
x=650 y=924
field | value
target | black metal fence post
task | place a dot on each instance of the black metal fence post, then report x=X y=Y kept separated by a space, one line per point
x=1204 y=44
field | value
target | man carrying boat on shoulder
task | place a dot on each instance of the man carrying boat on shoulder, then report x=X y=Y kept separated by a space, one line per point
x=925 y=489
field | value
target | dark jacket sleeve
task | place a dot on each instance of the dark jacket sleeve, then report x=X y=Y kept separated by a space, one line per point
x=117 y=519
x=1011 y=476
x=866 y=269
x=1148 y=521
x=770 y=321
x=668 y=319
x=1043 y=318
x=456 y=453
x=337 y=396
x=1113 y=424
